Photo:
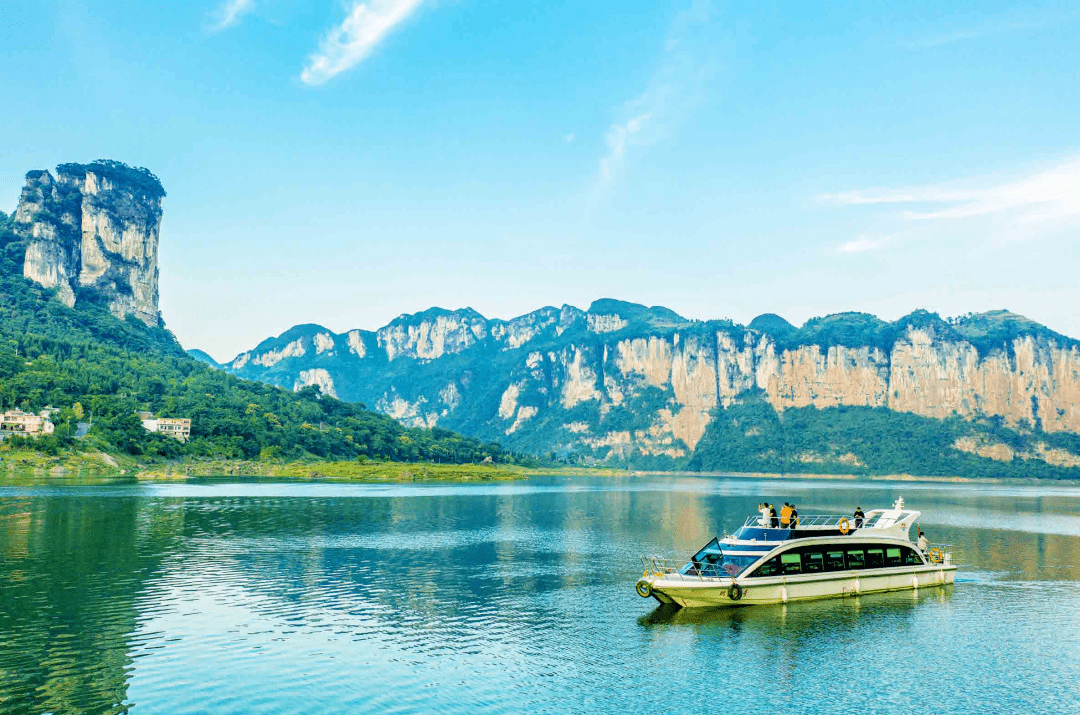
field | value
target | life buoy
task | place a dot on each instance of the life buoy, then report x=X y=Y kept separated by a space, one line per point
x=734 y=592
x=844 y=524
x=936 y=556
x=644 y=588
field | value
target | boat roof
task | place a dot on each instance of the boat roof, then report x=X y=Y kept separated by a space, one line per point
x=894 y=522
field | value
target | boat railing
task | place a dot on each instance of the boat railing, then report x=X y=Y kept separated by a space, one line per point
x=939 y=554
x=669 y=568
x=811 y=521
x=659 y=565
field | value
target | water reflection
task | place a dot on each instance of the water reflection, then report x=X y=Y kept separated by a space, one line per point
x=267 y=597
x=71 y=572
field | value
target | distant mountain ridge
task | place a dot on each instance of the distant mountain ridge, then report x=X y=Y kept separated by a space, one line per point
x=643 y=386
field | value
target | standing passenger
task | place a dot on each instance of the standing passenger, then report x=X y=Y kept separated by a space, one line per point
x=923 y=543
x=785 y=515
x=859 y=516
x=773 y=518
x=764 y=508
x=794 y=517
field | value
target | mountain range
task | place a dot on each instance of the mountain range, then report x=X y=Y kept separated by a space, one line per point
x=989 y=394
x=625 y=384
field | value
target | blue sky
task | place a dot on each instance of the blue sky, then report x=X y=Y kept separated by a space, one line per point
x=343 y=162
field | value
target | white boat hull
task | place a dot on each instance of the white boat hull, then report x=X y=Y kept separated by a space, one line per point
x=691 y=592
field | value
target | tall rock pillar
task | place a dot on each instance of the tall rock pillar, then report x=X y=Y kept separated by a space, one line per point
x=95 y=226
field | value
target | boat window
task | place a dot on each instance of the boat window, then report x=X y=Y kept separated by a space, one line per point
x=911 y=558
x=856 y=559
x=834 y=561
x=813 y=562
x=769 y=568
x=875 y=558
x=790 y=563
x=892 y=557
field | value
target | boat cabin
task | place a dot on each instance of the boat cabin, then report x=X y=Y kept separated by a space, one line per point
x=758 y=535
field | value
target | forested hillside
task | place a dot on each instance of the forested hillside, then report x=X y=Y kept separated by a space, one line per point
x=99 y=369
x=752 y=437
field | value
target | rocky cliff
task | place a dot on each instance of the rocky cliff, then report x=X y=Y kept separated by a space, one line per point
x=94 y=227
x=644 y=385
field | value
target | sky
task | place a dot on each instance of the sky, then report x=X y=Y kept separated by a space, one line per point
x=342 y=162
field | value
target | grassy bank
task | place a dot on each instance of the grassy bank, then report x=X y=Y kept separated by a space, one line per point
x=86 y=463
x=358 y=471
x=337 y=470
x=96 y=463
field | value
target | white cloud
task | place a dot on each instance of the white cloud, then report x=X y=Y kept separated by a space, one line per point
x=1041 y=205
x=352 y=41
x=569 y=138
x=228 y=14
x=618 y=137
x=673 y=85
x=863 y=243
x=1047 y=195
x=996 y=26
x=986 y=29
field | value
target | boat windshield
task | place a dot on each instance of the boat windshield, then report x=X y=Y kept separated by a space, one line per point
x=710 y=553
x=719 y=566
x=713 y=562
x=735 y=564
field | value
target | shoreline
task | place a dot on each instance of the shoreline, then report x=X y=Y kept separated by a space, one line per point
x=100 y=465
x=932 y=479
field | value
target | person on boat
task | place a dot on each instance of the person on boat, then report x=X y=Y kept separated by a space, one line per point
x=773 y=518
x=764 y=508
x=785 y=516
x=858 y=516
x=793 y=517
x=923 y=543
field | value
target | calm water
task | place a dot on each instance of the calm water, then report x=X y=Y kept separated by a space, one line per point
x=226 y=597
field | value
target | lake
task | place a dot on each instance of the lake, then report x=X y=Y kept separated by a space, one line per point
x=215 y=596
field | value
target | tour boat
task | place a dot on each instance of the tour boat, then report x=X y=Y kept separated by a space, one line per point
x=822 y=556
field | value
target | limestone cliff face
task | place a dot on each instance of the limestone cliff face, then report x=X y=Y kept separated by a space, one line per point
x=319 y=377
x=620 y=380
x=431 y=336
x=1035 y=382
x=94 y=226
x=53 y=237
x=809 y=376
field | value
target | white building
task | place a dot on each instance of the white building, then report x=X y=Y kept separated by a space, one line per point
x=26 y=423
x=176 y=427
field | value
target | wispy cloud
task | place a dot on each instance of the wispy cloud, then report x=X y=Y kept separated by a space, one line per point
x=1043 y=201
x=993 y=28
x=863 y=243
x=352 y=41
x=1054 y=193
x=977 y=32
x=618 y=138
x=673 y=84
x=569 y=138
x=228 y=14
